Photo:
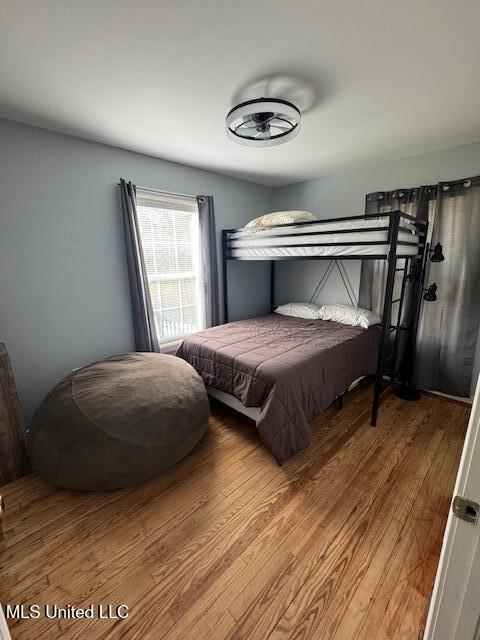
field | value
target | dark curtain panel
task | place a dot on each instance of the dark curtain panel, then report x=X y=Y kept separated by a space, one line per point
x=448 y=329
x=208 y=252
x=416 y=202
x=144 y=328
x=419 y=203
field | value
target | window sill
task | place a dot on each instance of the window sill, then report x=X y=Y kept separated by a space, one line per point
x=169 y=347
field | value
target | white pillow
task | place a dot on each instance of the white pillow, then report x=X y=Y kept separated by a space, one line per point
x=299 y=310
x=354 y=316
x=281 y=217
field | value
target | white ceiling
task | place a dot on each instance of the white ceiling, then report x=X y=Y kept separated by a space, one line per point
x=379 y=79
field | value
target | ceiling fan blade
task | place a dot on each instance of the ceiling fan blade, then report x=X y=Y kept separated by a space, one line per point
x=243 y=129
x=272 y=117
x=276 y=130
x=249 y=122
x=280 y=122
x=246 y=132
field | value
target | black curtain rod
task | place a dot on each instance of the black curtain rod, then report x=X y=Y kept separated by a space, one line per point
x=163 y=192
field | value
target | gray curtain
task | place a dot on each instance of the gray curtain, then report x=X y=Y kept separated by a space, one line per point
x=144 y=328
x=448 y=328
x=416 y=202
x=208 y=252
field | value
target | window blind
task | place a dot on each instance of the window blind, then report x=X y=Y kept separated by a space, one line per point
x=169 y=232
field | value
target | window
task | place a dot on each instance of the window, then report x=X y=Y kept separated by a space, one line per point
x=169 y=232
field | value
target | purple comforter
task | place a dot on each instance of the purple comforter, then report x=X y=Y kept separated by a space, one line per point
x=289 y=367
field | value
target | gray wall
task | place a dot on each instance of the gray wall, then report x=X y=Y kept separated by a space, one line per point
x=343 y=194
x=64 y=297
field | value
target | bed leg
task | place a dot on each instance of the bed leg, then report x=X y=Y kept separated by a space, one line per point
x=339 y=401
x=376 y=400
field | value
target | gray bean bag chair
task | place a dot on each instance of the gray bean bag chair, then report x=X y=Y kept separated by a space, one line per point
x=118 y=422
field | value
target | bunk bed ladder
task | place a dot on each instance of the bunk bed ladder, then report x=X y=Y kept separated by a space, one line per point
x=413 y=271
x=387 y=313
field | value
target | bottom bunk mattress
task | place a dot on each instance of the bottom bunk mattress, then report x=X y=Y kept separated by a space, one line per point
x=291 y=368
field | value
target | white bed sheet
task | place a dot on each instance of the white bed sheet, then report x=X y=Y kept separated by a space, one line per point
x=372 y=237
x=231 y=401
x=316 y=227
x=339 y=250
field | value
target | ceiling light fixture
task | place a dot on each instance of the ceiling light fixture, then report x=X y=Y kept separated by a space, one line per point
x=263 y=122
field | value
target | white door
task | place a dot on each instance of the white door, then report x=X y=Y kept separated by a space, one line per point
x=4 y=632
x=455 y=606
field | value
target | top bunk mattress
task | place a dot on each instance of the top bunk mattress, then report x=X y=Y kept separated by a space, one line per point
x=349 y=237
x=322 y=227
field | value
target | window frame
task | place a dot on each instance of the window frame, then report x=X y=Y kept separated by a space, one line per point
x=170 y=204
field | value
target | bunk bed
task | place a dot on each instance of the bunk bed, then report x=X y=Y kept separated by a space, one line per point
x=283 y=371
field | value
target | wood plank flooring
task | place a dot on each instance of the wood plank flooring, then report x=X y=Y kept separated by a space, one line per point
x=340 y=543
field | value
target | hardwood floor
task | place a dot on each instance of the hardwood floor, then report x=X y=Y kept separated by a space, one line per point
x=342 y=542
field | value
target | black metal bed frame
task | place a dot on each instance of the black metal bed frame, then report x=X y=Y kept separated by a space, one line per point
x=413 y=270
